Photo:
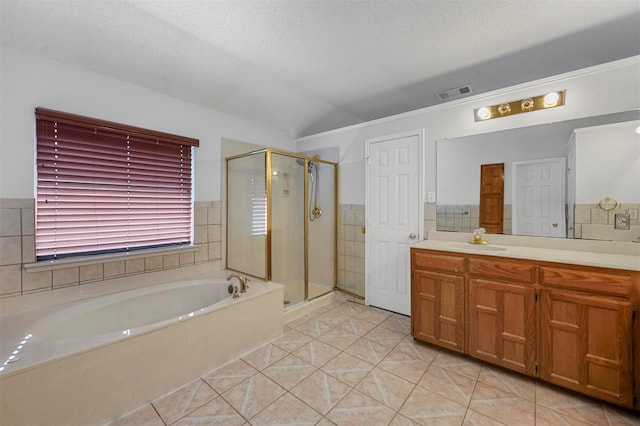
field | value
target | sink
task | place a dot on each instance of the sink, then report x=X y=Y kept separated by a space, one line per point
x=478 y=247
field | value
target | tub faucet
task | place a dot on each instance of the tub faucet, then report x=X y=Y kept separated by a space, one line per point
x=243 y=282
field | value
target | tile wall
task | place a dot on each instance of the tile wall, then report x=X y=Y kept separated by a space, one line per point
x=466 y=218
x=17 y=247
x=592 y=214
x=351 y=248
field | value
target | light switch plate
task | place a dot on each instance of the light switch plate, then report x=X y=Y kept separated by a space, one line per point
x=633 y=214
x=431 y=197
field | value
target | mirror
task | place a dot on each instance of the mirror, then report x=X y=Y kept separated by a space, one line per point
x=525 y=190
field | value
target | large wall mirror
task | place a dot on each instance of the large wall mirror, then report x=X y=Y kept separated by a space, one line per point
x=544 y=180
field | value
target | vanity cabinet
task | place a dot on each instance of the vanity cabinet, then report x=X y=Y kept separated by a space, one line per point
x=438 y=300
x=569 y=325
x=586 y=331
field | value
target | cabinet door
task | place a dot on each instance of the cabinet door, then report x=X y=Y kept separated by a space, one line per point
x=437 y=312
x=502 y=324
x=586 y=344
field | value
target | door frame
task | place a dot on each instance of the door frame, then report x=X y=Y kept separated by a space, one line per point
x=420 y=133
x=563 y=187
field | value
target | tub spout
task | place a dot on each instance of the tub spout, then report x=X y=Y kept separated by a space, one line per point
x=243 y=282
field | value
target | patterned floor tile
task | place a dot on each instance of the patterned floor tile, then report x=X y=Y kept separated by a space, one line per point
x=458 y=363
x=502 y=406
x=547 y=417
x=334 y=317
x=385 y=336
x=386 y=388
x=571 y=404
x=418 y=349
x=347 y=368
x=400 y=420
x=339 y=339
x=356 y=326
x=321 y=391
x=264 y=356
x=183 y=400
x=519 y=385
x=143 y=416
x=473 y=418
x=374 y=316
x=226 y=377
x=368 y=350
x=397 y=323
x=404 y=365
x=292 y=340
x=289 y=371
x=316 y=353
x=325 y=422
x=213 y=413
x=253 y=395
x=455 y=387
x=287 y=410
x=428 y=408
x=314 y=327
x=357 y=408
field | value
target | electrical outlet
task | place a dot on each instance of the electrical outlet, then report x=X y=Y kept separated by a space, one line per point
x=633 y=214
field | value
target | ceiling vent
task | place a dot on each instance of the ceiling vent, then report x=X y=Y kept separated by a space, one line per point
x=458 y=92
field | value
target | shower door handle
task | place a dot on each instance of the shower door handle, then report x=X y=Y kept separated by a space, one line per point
x=412 y=236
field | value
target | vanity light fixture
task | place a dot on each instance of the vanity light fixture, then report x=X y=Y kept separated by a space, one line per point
x=549 y=100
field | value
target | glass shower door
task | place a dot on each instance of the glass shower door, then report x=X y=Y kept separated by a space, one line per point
x=287 y=226
x=322 y=227
x=247 y=214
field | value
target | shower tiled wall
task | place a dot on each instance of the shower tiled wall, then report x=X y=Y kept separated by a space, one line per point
x=351 y=248
x=17 y=247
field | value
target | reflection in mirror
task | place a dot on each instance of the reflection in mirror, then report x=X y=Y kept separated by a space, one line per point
x=543 y=180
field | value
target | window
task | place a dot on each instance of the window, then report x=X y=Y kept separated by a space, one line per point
x=258 y=203
x=104 y=187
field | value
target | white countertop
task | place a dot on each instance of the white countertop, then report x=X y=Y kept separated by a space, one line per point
x=547 y=250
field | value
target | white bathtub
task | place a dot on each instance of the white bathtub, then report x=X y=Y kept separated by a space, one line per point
x=89 y=361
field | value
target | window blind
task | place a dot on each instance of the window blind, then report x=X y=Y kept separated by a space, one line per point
x=106 y=187
x=258 y=204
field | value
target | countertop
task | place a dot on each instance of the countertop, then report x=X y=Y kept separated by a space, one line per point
x=602 y=259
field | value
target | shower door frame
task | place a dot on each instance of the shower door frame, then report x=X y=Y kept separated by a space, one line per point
x=268 y=182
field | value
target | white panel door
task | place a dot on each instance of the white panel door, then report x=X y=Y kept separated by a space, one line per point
x=393 y=219
x=538 y=199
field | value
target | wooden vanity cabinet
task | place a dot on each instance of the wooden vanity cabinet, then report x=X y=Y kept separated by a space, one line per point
x=569 y=325
x=438 y=300
x=586 y=327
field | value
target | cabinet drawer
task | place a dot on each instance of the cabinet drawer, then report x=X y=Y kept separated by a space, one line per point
x=427 y=260
x=511 y=271
x=585 y=280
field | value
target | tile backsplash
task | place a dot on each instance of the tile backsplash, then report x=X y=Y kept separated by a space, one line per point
x=17 y=247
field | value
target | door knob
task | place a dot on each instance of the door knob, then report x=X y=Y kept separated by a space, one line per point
x=412 y=236
x=554 y=224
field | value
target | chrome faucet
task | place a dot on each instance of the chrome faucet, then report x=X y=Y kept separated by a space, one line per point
x=243 y=282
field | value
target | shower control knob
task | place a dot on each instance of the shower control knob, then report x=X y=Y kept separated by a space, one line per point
x=412 y=236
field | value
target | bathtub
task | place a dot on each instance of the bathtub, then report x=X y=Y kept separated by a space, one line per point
x=90 y=360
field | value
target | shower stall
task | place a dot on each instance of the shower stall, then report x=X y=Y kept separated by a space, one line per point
x=282 y=221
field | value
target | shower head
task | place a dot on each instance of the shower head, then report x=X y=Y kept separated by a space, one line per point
x=300 y=161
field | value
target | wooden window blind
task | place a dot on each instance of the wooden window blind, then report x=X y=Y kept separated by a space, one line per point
x=105 y=187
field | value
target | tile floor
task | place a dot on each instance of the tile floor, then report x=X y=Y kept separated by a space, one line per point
x=348 y=364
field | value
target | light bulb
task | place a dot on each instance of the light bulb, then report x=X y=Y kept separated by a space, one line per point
x=484 y=113
x=551 y=99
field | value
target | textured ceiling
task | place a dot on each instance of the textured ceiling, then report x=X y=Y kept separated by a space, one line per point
x=311 y=66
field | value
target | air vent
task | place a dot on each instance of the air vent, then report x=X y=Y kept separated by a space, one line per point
x=458 y=92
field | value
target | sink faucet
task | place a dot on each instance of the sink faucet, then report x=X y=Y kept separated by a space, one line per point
x=243 y=282
x=477 y=236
